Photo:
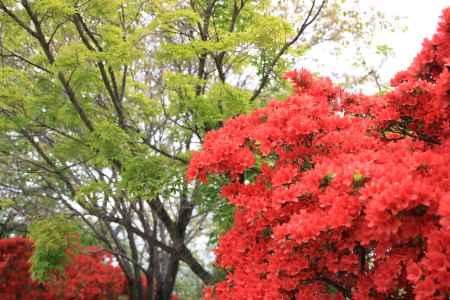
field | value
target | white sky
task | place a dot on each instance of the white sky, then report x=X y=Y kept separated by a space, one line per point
x=419 y=16
x=421 y=19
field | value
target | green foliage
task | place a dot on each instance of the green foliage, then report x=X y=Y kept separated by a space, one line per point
x=110 y=142
x=52 y=238
x=146 y=177
x=326 y=180
x=211 y=202
x=90 y=194
x=86 y=236
x=6 y=203
x=188 y=286
x=359 y=180
x=384 y=50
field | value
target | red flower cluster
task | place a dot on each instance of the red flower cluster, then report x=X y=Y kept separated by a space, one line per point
x=15 y=280
x=90 y=275
x=343 y=195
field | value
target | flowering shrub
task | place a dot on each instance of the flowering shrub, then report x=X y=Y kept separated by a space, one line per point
x=90 y=275
x=15 y=280
x=339 y=195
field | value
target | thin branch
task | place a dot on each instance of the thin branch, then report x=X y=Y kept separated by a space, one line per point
x=124 y=82
x=165 y=153
x=60 y=132
x=47 y=159
x=109 y=82
x=13 y=54
x=89 y=32
x=282 y=51
x=55 y=31
x=39 y=35
x=71 y=94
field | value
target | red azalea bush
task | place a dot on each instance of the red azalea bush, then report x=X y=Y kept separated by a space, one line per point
x=90 y=275
x=339 y=195
x=15 y=279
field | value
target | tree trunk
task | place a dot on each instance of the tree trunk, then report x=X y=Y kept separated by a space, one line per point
x=171 y=276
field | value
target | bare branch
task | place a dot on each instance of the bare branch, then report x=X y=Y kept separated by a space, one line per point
x=47 y=159
x=55 y=31
x=308 y=21
x=165 y=153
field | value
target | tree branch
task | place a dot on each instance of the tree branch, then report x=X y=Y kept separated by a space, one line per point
x=47 y=159
x=110 y=82
x=17 y=19
x=165 y=153
x=13 y=54
x=182 y=250
x=40 y=36
x=282 y=51
x=344 y=290
x=71 y=94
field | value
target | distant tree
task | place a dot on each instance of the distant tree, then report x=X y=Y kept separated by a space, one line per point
x=101 y=103
x=339 y=195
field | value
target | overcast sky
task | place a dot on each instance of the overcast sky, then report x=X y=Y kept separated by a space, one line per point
x=419 y=16
x=421 y=19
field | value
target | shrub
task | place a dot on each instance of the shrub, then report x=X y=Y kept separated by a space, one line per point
x=339 y=195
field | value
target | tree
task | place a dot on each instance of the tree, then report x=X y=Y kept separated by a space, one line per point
x=102 y=102
x=339 y=195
